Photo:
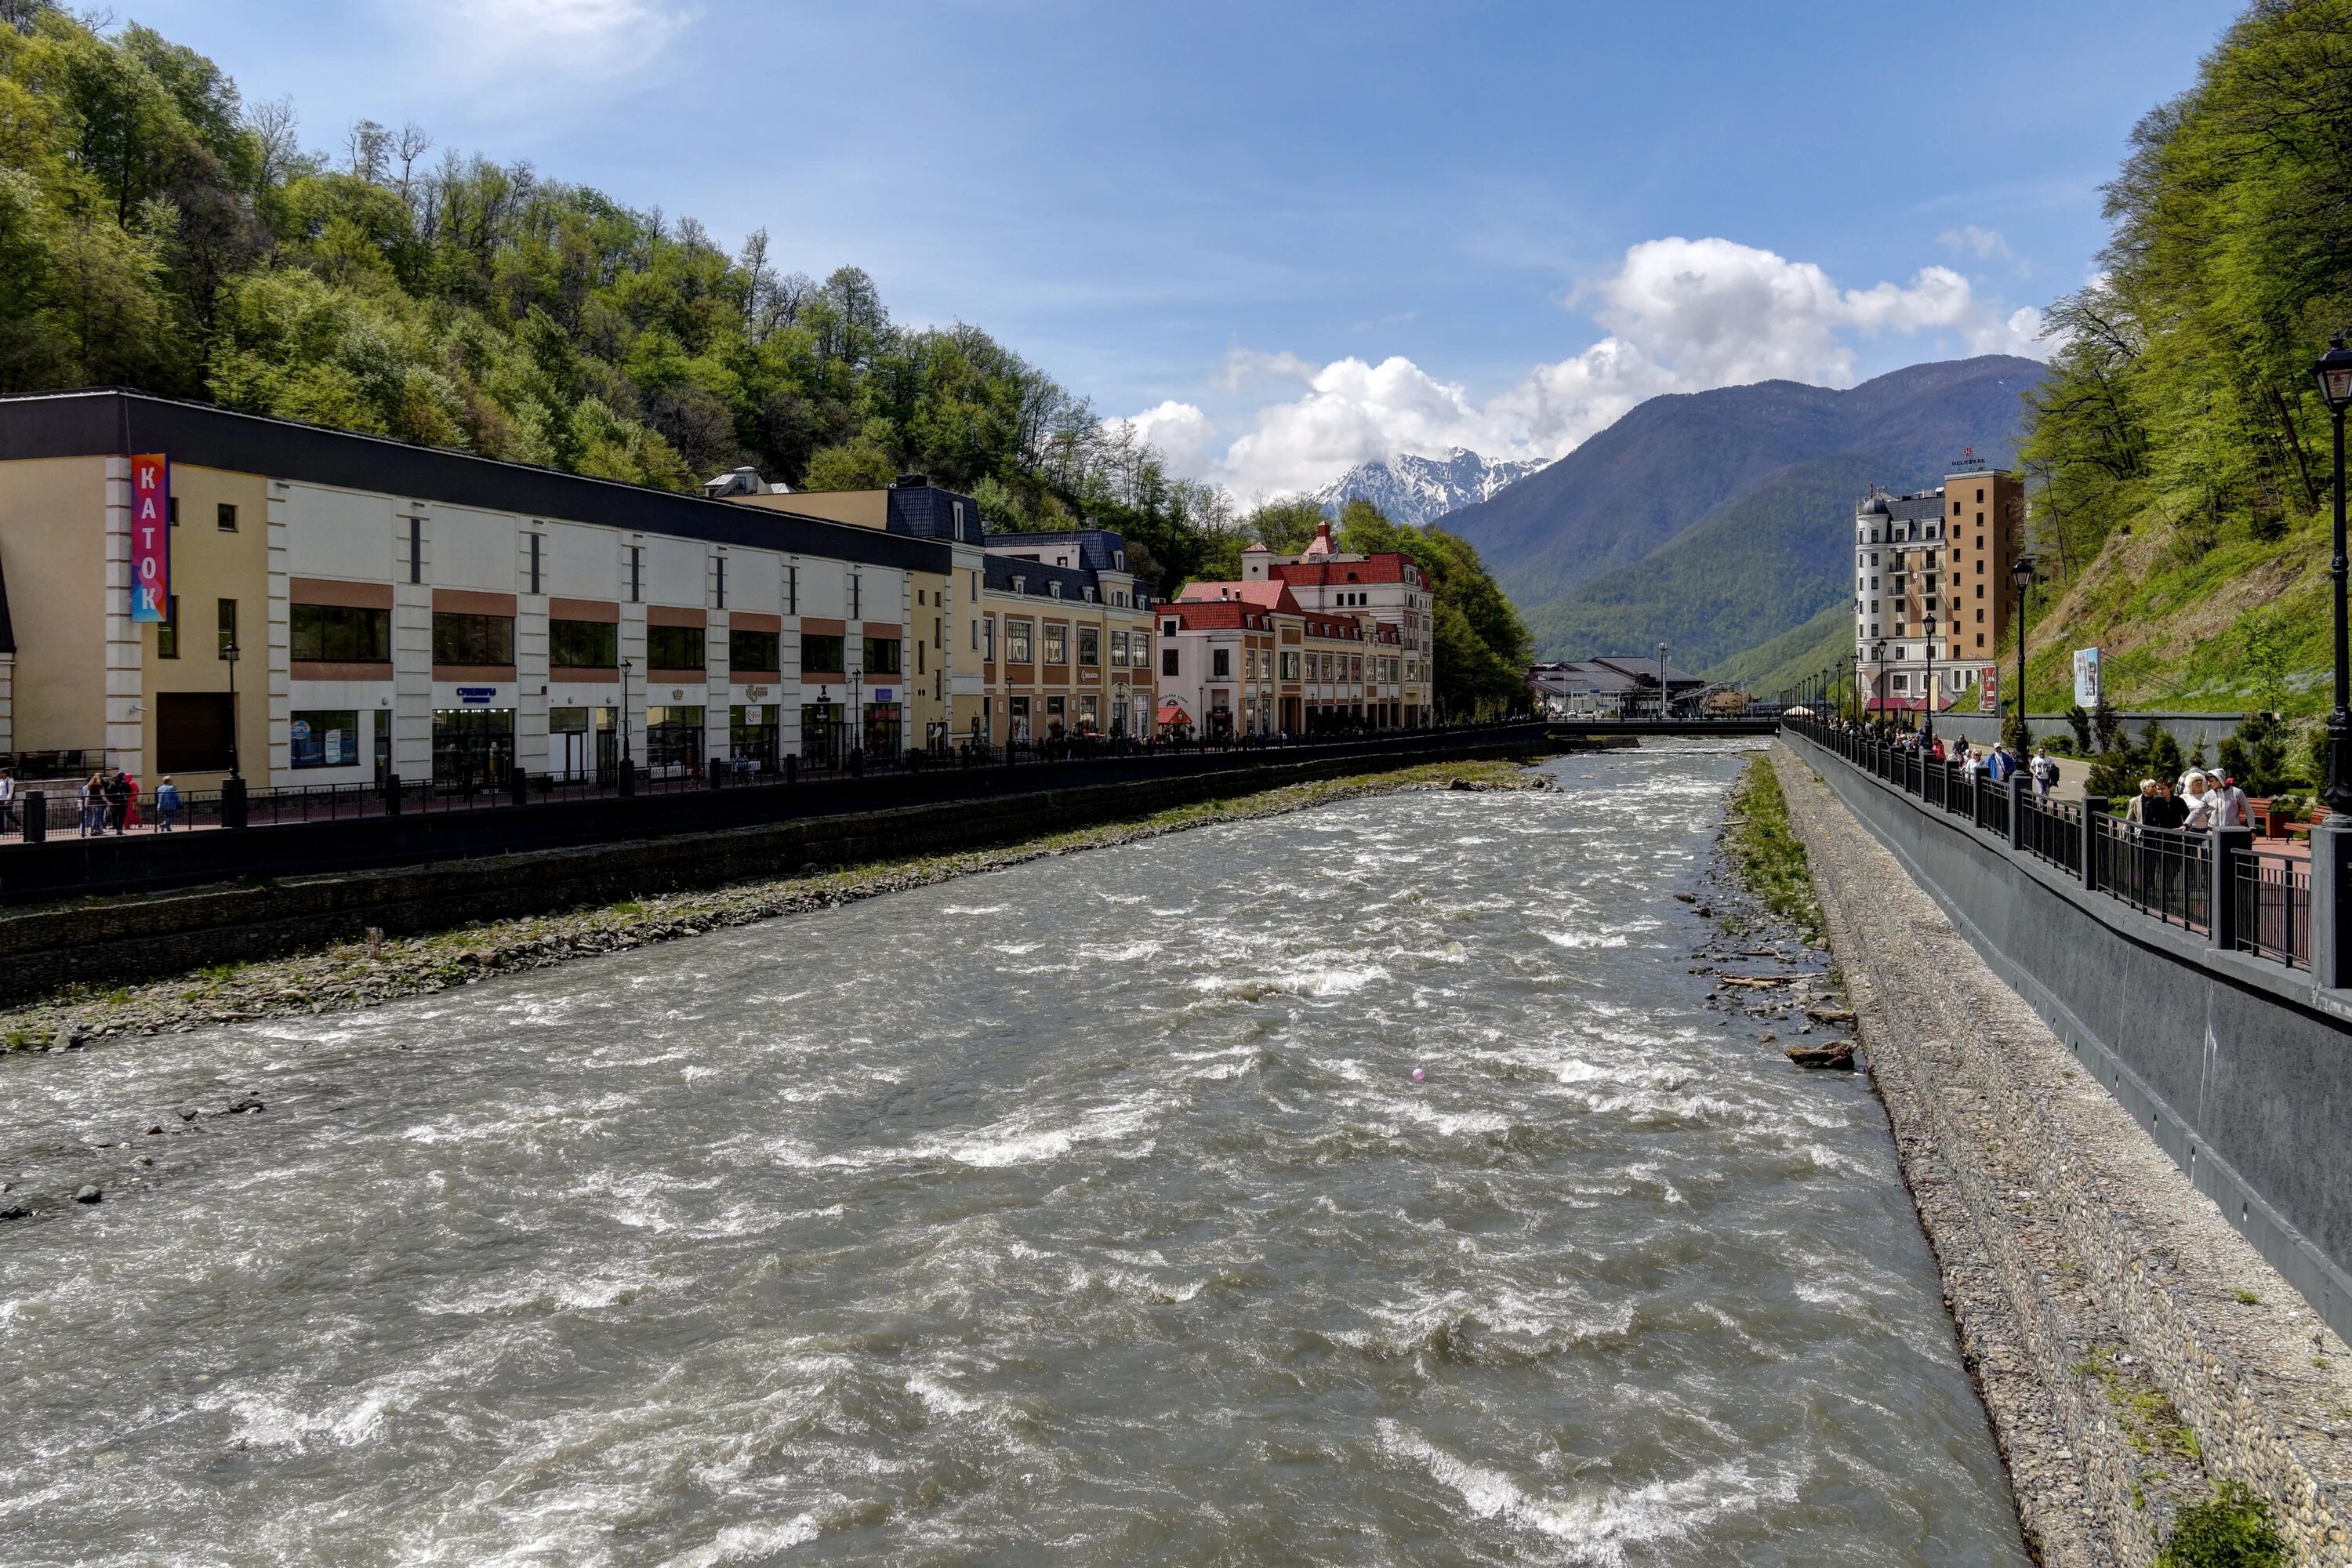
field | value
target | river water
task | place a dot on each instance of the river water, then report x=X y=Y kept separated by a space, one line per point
x=1082 y=1212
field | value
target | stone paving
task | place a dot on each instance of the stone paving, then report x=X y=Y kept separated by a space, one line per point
x=2132 y=1348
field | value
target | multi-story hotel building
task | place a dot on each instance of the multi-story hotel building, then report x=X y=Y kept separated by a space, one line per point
x=394 y=609
x=1246 y=659
x=1389 y=587
x=1931 y=586
x=1066 y=638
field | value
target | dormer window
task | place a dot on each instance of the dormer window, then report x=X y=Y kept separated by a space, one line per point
x=1118 y=559
x=1019 y=583
x=1089 y=594
x=1053 y=589
x=1167 y=628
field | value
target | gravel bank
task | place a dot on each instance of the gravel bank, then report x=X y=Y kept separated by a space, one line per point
x=2132 y=1348
x=364 y=975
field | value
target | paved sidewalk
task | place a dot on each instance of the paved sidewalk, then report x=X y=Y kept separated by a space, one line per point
x=2105 y=1307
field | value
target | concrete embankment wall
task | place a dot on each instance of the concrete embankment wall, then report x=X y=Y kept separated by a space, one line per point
x=2239 y=1069
x=127 y=938
x=2187 y=728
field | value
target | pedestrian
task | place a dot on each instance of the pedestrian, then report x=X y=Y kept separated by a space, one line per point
x=2137 y=810
x=1936 y=750
x=167 y=804
x=2045 y=773
x=2197 y=803
x=131 y=807
x=7 y=800
x=117 y=792
x=2165 y=809
x=93 y=805
x=2231 y=808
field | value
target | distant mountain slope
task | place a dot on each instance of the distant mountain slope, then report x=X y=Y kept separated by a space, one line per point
x=1672 y=461
x=1419 y=491
x=1768 y=667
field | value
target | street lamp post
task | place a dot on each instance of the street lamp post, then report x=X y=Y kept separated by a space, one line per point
x=2331 y=876
x=2022 y=575
x=1878 y=671
x=2333 y=372
x=1661 y=682
x=1928 y=725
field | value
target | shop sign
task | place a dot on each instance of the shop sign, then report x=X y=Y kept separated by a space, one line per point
x=1989 y=682
x=881 y=694
x=477 y=696
x=151 y=537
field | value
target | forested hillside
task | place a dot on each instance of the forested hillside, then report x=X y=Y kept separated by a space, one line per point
x=2178 y=457
x=156 y=231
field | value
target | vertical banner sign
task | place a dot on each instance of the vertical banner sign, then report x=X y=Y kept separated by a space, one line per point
x=151 y=537
x=2087 y=676
x=1989 y=689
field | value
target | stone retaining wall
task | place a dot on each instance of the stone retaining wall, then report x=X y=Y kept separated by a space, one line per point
x=2081 y=1266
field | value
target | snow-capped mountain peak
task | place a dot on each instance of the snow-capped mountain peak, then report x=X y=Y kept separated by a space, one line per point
x=1419 y=490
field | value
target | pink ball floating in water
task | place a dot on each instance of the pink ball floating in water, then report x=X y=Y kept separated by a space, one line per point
x=1419 y=1074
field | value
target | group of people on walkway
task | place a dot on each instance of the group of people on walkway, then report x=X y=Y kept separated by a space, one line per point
x=1996 y=764
x=109 y=803
x=2201 y=801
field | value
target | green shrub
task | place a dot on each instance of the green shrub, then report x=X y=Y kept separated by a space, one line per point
x=2231 y=1529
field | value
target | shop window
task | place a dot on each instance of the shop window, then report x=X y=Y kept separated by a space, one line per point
x=473 y=639
x=1090 y=646
x=1057 y=643
x=674 y=648
x=583 y=645
x=473 y=748
x=1016 y=641
x=324 y=737
x=674 y=740
x=343 y=633
x=885 y=656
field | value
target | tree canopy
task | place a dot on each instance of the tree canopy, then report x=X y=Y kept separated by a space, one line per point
x=157 y=231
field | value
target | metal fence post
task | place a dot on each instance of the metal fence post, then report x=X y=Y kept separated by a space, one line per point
x=2094 y=811
x=519 y=786
x=2017 y=808
x=392 y=794
x=233 y=802
x=2230 y=847
x=36 y=818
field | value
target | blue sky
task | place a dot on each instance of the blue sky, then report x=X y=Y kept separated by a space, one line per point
x=1290 y=237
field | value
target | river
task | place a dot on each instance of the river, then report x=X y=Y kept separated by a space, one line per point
x=1082 y=1212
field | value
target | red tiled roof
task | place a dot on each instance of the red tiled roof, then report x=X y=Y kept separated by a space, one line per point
x=1266 y=595
x=1386 y=567
x=1200 y=615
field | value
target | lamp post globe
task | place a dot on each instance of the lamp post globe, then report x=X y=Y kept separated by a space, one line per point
x=2334 y=373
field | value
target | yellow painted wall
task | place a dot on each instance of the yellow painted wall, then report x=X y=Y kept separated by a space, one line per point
x=53 y=554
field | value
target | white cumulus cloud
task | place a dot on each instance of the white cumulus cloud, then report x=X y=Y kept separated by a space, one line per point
x=574 y=40
x=1985 y=243
x=1679 y=315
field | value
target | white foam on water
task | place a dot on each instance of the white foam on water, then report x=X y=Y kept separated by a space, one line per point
x=975 y=908
x=749 y=1543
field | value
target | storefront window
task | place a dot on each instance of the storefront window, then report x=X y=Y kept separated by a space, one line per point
x=326 y=738
x=1016 y=641
x=1057 y=643
x=473 y=748
x=753 y=733
x=1019 y=728
x=884 y=729
x=1119 y=650
x=673 y=740
x=1090 y=645
x=582 y=741
x=823 y=734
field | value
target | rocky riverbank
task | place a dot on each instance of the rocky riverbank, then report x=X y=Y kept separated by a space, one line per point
x=2157 y=1389
x=366 y=974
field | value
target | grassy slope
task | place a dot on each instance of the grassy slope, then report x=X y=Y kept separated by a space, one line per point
x=1774 y=666
x=2166 y=607
x=1765 y=850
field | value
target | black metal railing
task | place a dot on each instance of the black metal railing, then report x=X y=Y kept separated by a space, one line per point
x=2271 y=916
x=2051 y=831
x=2167 y=872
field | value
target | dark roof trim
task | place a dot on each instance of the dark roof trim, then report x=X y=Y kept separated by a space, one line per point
x=114 y=422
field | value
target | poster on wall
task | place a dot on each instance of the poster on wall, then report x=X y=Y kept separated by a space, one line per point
x=1989 y=690
x=151 y=537
x=2086 y=677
